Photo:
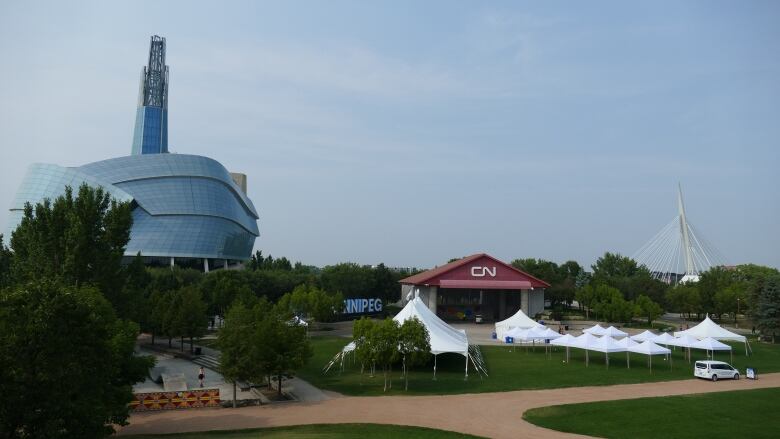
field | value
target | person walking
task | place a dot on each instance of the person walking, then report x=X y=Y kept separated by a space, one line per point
x=201 y=376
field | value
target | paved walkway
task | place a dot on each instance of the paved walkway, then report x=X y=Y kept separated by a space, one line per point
x=496 y=415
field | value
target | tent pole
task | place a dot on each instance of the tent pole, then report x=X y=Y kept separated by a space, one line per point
x=467 y=368
x=435 y=357
x=628 y=363
x=606 y=355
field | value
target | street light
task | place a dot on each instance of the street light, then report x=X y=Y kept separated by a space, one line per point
x=736 y=322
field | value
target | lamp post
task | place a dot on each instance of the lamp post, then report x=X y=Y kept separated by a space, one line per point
x=736 y=316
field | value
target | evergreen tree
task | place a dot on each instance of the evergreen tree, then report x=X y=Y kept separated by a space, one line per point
x=768 y=307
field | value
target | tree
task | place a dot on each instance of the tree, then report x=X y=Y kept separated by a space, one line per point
x=710 y=282
x=613 y=265
x=221 y=288
x=727 y=300
x=76 y=240
x=350 y=279
x=132 y=303
x=609 y=304
x=238 y=359
x=67 y=362
x=645 y=307
x=364 y=349
x=586 y=298
x=384 y=340
x=414 y=345
x=191 y=314
x=284 y=346
x=768 y=307
x=5 y=264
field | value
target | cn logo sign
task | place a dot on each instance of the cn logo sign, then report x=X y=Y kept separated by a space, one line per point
x=483 y=271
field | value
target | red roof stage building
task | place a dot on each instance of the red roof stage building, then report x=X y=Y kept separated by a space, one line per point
x=477 y=284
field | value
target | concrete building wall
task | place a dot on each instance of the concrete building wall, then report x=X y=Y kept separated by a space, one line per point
x=536 y=302
x=428 y=295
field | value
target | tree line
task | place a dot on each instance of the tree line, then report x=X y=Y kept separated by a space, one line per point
x=618 y=289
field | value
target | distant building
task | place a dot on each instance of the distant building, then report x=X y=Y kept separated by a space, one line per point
x=476 y=284
x=187 y=209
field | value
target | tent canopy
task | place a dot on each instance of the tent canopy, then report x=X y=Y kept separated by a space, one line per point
x=614 y=332
x=584 y=341
x=607 y=345
x=686 y=341
x=595 y=330
x=708 y=328
x=646 y=335
x=565 y=340
x=711 y=344
x=647 y=347
x=664 y=339
x=444 y=338
x=626 y=342
x=518 y=320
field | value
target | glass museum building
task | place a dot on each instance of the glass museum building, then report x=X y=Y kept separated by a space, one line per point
x=187 y=209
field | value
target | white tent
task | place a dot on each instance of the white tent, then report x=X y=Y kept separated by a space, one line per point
x=517 y=334
x=298 y=321
x=626 y=342
x=646 y=335
x=649 y=348
x=686 y=341
x=663 y=339
x=614 y=332
x=708 y=328
x=518 y=320
x=584 y=341
x=607 y=345
x=549 y=334
x=710 y=344
x=595 y=330
x=443 y=337
x=565 y=341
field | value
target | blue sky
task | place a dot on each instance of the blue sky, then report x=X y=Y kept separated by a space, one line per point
x=413 y=132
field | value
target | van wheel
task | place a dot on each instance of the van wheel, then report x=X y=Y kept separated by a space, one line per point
x=714 y=378
x=736 y=376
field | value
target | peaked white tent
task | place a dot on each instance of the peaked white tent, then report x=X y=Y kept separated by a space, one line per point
x=708 y=328
x=649 y=348
x=614 y=332
x=646 y=335
x=663 y=339
x=565 y=341
x=626 y=342
x=710 y=344
x=607 y=345
x=518 y=320
x=443 y=337
x=686 y=341
x=595 y=330
x=584 y=341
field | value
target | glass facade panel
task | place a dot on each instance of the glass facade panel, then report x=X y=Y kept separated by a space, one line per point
x=185 y=206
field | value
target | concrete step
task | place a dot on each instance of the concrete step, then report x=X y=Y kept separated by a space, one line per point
x=207 y=361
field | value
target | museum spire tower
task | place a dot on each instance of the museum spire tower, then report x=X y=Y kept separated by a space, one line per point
x=151 y=119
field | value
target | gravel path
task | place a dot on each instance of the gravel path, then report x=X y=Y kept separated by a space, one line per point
x=496 y=415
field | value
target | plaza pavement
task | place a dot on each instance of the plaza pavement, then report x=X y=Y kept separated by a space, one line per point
x=496 y=415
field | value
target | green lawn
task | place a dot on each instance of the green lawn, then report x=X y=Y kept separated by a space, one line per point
x=518 y=370
x=320 y=431
x=745 y=413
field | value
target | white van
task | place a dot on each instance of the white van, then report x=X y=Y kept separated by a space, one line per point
x=714 y=370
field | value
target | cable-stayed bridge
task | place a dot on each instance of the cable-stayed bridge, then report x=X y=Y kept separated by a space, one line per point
x=679 y=252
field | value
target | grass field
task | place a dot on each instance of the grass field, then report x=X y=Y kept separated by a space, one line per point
x=320 y=431
x=745 y=413
x=519 y=370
